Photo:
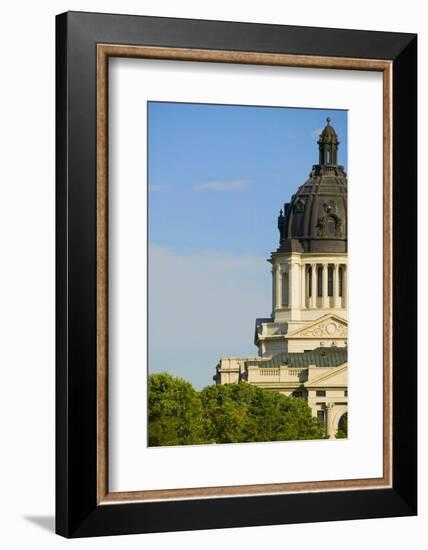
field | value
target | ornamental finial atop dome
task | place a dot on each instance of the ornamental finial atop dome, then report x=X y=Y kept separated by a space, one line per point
x=328 y=145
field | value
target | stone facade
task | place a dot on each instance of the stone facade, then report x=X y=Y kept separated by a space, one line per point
x=302 y=347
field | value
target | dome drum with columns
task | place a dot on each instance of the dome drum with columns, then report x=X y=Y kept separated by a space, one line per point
x=302 y=347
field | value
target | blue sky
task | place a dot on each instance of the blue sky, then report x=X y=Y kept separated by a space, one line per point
x=217 y=177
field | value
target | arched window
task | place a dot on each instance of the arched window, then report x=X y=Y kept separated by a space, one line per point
x=327 y=157
x=331 y=227
x=340 y=281
x=319 y=280
x=342 y=428
x=330 y=281
x=285 y=290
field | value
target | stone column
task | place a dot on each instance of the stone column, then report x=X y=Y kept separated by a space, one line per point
x=294 y=288
x=278 y=287
x=325 y=285
x=303 y=286
x=291 y=273
x=344 y=285
x=336 y=300
x=273 y=290
x=313 y=303
x=331 y=433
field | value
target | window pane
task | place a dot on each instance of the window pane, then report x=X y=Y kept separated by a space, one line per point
x=319 y=275
x=330 y=281
x=321 y=416
x=331 y=227
x=285 y=289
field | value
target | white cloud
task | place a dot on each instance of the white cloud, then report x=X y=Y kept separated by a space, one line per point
x=316 y=133
x=231 y=185
x=156 y=188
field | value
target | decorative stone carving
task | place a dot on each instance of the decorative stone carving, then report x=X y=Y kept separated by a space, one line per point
x=328 y=329
x=322 y=226
x=330 y=206
x=299 y=206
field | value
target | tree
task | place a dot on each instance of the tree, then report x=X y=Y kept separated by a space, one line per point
x=342 y=429
x=175 y=412
x=231 y=413
x=242 y=412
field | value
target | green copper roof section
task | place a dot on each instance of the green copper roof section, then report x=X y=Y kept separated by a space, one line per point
x=321 y=357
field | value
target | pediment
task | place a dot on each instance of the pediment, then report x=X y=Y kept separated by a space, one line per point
x=336 y=376
x=330 y=326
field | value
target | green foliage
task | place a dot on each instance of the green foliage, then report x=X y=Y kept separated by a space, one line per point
x=231 y=413
x=238 y=413
x=175 y=412
x=342 y=429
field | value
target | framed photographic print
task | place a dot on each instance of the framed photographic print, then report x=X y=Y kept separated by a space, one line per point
x=236 y=274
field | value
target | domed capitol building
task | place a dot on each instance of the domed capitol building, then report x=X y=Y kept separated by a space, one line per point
x=302 y=347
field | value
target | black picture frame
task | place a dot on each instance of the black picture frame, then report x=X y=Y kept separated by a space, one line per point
x=77 y=511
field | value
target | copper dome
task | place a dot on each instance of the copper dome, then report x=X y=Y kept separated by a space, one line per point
x=315 y=220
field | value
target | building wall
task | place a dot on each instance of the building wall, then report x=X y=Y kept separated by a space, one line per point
x=274 y=338
x=324 y=388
